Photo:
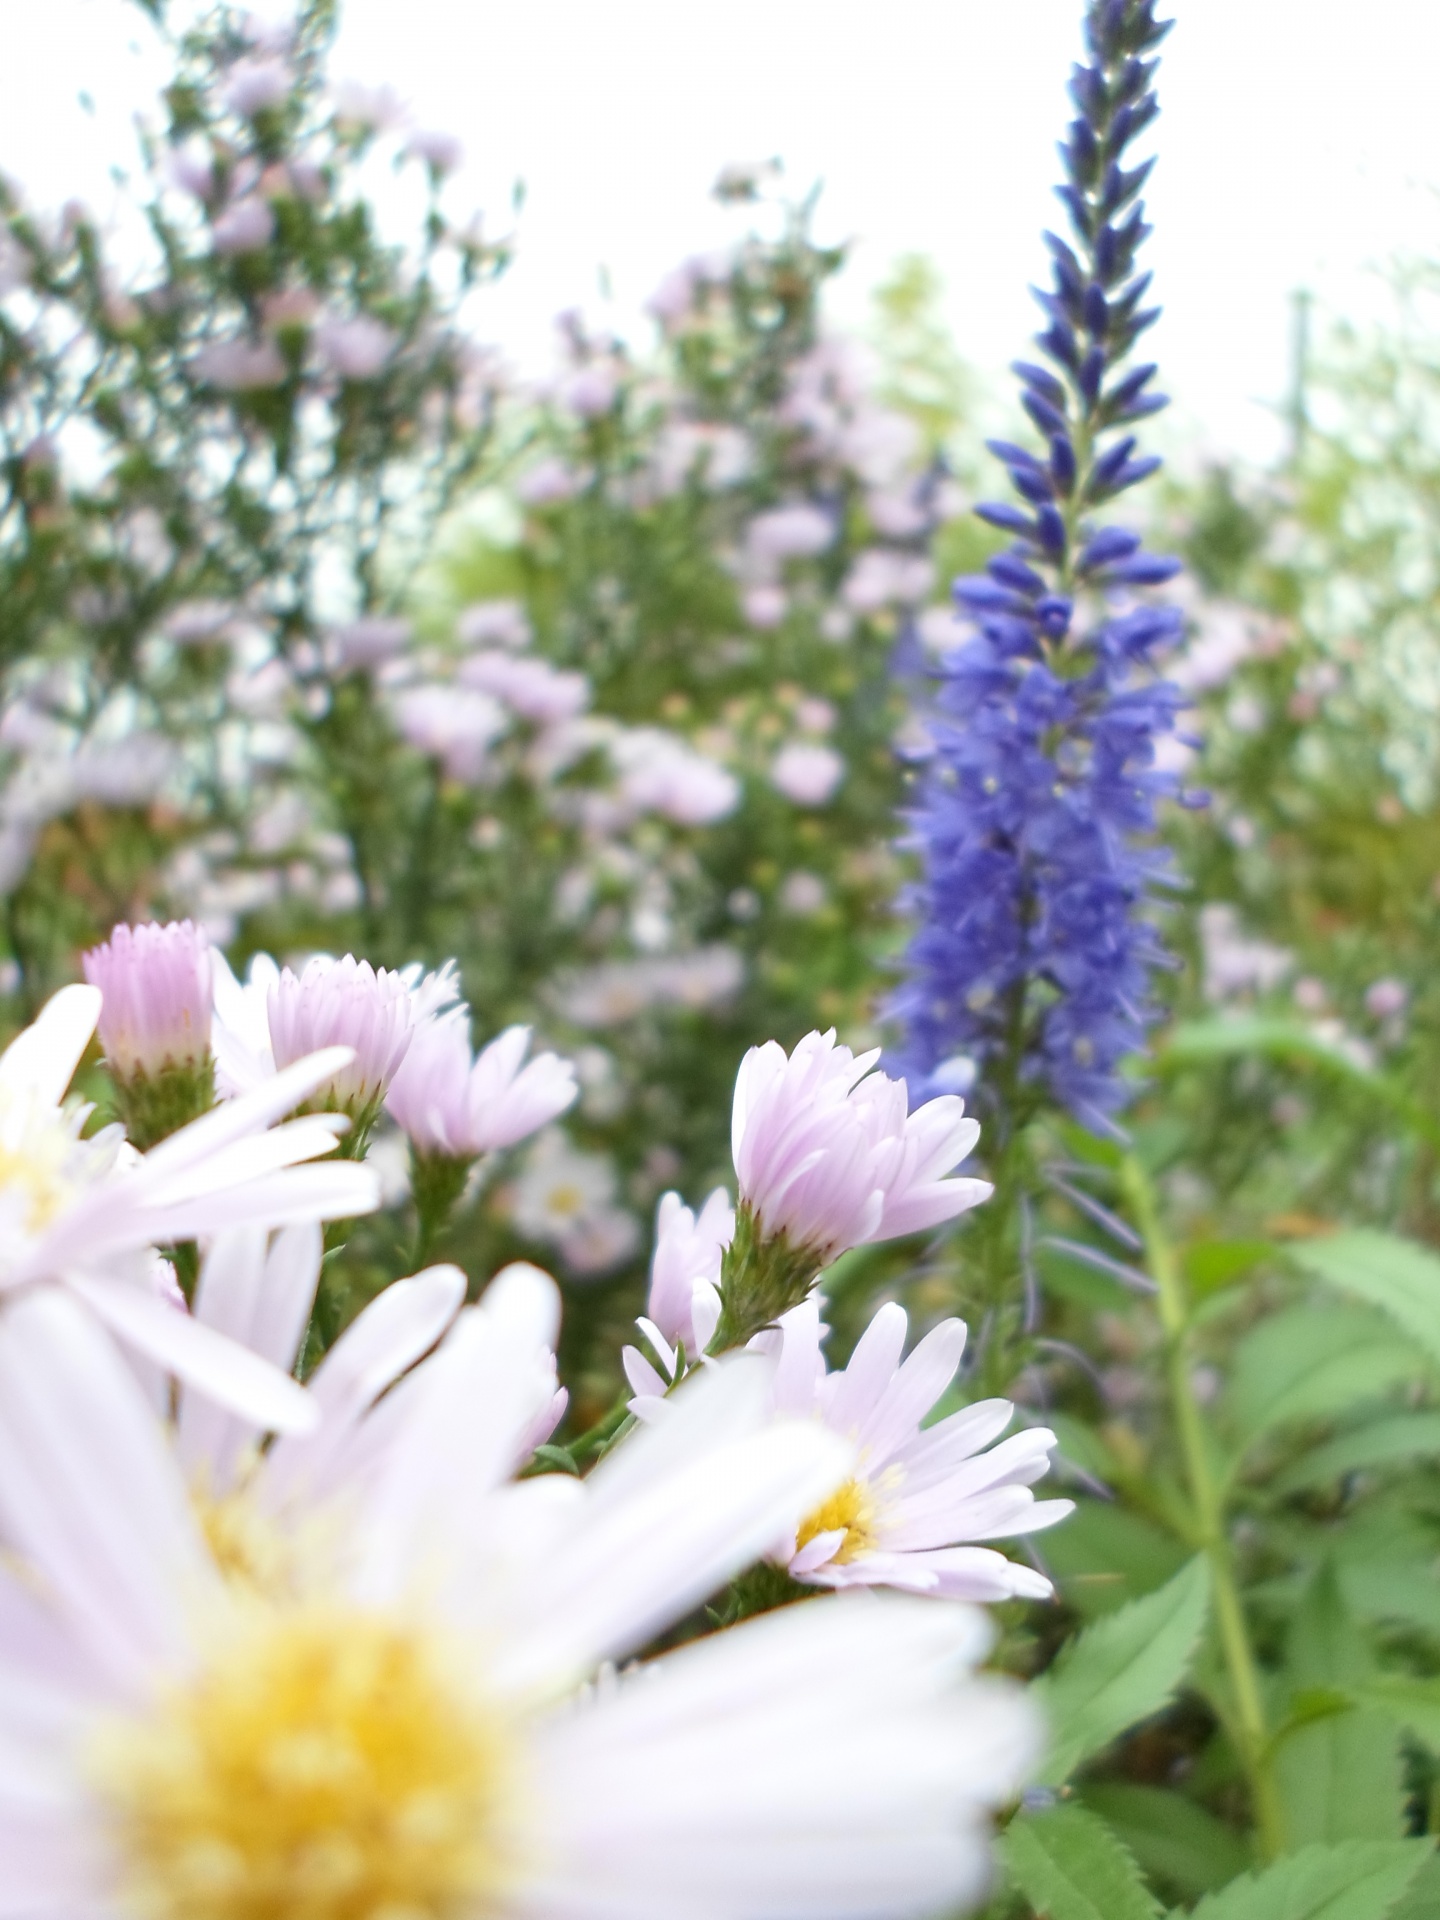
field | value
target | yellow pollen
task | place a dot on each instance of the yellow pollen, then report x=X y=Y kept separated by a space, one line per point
x=36 y=1170
x=850 y=1507
x=566 y=1200
x=246 y=1545
x=324 y=1766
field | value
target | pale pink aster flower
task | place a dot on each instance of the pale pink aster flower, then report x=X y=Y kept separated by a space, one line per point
x=83 y=1214
x=898 y=514
x=807 y=773
x=290 y=307
x=441 y=152
x=157 y=986
x=190 y=166
x=199 y=622
x=918 y=1498
x=386 y=1590
x=661 y=773
x=764 y=607
x=532 y=688
x=549 y=482
x=458 y=725
x=355 y=349
x=685 y=1269
x=240 y=366
x=370 y=641
x=252 y=85
x=1386 y=998
x=244 y=227
x=795 y=531
x=496 y=623
x=590 y=390
x=827 y=1154
x=881 y=577
x=376 y=109
x=346 y=1003
x=455 y=1105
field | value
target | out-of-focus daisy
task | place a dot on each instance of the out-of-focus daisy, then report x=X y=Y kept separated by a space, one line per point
x=218 y=1714
x=85 y=1214
x=919 y=1497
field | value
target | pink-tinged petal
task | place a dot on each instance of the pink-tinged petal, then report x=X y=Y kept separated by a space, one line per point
x=205 y=1361
x=669 y=1517
x=871 y=1369
x=471 y=1409
x=262 y=1298
x=40 y=1061
x=895 y=1417
x=815 y=1553
x=89 y=1494
x=250 y=1113
x=644 y=1381
x=940 y=1449
x=871 y=1803
x=979 y=1573
x=925 y=1207
x=290 y=1197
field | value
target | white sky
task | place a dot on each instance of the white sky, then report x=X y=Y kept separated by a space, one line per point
x=1300 y=143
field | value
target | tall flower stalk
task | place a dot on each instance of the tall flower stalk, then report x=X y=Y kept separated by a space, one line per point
x=1032 y=966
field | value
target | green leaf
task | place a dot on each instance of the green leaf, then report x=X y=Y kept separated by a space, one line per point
x=1338 y=1768
x=1309 y=1363
x=1212 y=1265
x=1380 y=1443
x=1421 y=1899
x=1121 y=1671
x=1408 y=1702
x=1070 y=1866
x=1174 y=1840
x=1194 y=1042
x=1357 y=1880
x=1105 y=1555
x=1403 y=1280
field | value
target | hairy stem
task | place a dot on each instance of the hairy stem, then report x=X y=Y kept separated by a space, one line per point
x=1251 y=1731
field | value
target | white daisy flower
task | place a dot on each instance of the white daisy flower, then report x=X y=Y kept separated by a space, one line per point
x=919 y=1496
x=367 y=1704
x=85 y=1213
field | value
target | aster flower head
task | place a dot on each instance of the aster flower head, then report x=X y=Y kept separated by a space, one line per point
x=1038 y=787
x=348 y=1003
x=453 y=1107
x=83 y=1215
x=828 y=1157
x=410 y=1626
x=919 y=1498
x=156 y=986
x=682 y=1309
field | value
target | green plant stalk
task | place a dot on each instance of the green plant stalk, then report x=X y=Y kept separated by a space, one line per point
x=1251 y=1730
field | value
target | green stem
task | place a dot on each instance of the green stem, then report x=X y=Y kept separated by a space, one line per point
x=1251 y=1730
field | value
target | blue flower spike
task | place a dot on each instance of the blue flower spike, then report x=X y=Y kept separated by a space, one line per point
x=1036 y=797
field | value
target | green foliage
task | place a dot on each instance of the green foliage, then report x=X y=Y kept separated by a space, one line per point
x=1356 y=1880
x=1070 y=1866
x=1401 y=1279
x=1121 y=1670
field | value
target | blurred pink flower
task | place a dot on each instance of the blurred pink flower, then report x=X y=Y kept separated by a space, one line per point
x=807 y=773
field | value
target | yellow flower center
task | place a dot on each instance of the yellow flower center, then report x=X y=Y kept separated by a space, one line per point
x=850 y=1508
x=33 y=1166
x=325 y=1764
x=246 y=1545
x=566 y=1200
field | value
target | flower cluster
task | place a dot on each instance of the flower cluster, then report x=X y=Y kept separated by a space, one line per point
x=341 y=1648
x=1038 y=782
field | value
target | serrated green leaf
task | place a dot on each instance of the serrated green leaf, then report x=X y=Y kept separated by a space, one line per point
x=1337 y=1770
x=1121 y=1671
x=1379 y=1443
x=1398 y=1277
x=1173 y=1840
x=1408 y=1702
x=1313 y=1362
x=1356 y=1880
x=1070 y=1866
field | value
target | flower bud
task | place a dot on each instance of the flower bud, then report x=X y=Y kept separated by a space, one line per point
x=156 y=985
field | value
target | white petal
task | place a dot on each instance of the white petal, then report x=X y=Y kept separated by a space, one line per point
x=473 y=1404
x=739 y=1771
x=40 y=1061
x=205 y=1361
x=89 y=1492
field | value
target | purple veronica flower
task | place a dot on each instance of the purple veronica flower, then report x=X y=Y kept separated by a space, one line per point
x=1037 y=790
